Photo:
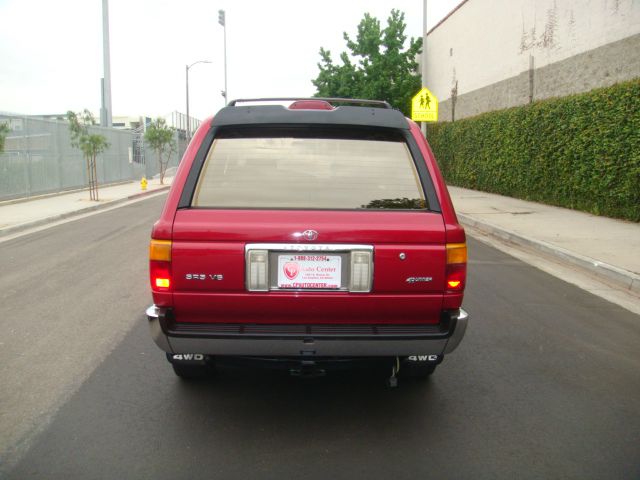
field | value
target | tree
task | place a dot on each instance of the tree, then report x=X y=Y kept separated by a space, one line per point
x=385 y=70
x=160 y=138
x=4 y=129
x=89 y=144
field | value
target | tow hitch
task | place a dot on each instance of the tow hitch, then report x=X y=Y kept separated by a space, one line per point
x=307 y=369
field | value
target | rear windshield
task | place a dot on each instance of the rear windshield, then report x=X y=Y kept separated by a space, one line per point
x=309 y=173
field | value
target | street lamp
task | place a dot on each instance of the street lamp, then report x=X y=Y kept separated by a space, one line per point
x=222 y=21
x=188 y=118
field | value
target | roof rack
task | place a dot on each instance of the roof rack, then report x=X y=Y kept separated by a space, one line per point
x=356 y=101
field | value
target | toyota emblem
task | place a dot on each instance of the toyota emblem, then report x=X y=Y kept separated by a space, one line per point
x=310 y=235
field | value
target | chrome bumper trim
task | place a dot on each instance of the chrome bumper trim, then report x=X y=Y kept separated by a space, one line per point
x=297 y=347
x=458 y=333
x=153 y=315
x=306 y=346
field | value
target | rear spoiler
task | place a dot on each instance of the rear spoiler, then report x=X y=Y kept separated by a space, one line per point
x=370 y=113
x=331 y=100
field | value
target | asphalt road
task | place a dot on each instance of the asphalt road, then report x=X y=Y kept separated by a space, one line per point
x=546 y=384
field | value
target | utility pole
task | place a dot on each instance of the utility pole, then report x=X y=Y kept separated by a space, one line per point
x=106 y=119
x=222 y=21
x=188 y=118
x=188 y=123
x=424 y=56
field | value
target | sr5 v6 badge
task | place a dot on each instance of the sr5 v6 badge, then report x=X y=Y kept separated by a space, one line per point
x=203 y=276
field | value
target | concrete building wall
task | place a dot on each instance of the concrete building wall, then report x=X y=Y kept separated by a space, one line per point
x=493 y=54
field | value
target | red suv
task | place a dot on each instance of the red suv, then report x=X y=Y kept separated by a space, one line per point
x=305 y=233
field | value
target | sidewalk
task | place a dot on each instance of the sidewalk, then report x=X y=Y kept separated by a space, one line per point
x=606 y=247
x=21 y=215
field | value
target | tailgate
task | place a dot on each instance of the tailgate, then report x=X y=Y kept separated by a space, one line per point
x=308 y=280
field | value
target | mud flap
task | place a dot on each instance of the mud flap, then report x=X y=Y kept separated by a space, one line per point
x=419 y=366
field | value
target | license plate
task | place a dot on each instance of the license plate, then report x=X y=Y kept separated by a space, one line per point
x=309 y=271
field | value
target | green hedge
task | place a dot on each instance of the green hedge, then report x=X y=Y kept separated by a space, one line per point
x=580 y=151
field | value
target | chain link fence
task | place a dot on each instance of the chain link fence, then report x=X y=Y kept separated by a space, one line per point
x=38 y=157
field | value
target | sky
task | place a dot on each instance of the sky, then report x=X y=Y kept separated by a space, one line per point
x=51 y=51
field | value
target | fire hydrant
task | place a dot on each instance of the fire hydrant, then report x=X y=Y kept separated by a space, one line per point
x=143 y=183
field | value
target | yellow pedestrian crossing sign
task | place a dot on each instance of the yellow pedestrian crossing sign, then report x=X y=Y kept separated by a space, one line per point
x=424 y=107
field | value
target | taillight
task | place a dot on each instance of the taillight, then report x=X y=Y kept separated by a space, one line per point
x=160 y=265
x=456 y=273
x=257 y=268
x=361 y=267
x=160 y=250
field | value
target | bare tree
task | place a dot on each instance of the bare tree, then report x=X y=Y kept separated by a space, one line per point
x=159 y=136
x=89 y=144
x=4 y=129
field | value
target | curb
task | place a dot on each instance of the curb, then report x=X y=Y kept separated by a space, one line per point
x=623 y=278
x=43 y=221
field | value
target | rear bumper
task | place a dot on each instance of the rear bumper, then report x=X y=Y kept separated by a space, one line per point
x=307 y=340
